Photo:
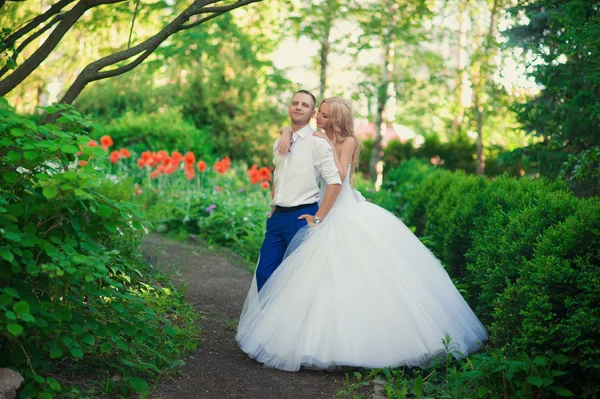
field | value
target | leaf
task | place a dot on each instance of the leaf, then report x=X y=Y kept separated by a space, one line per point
x=110 y=226
x=14 y=155
x=30 y=155
x=10 y=177
x=27 y=318
x=105 y=347
x=17 y=132
x=118 y=307
x=562 y=391
x=15 y=329
x=6 y=254
x=69 y=175
x=51 y=110
x=535 y=380
x=139 y=384
x=69 y=149
x=50 y=192
x=77 y=329
x=55 y=353
x=44 y=395
x=481 y=392
x=21 y=307
x=77 y=352
x=88 y=339
x=170 y=331
x=104 y=211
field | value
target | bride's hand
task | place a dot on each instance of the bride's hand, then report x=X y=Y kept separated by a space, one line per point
x=283 y=147
x=322 y=135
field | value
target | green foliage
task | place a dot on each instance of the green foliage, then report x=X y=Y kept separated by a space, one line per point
x=70 y=293
x=561 y=37
x=526 y=252
x=224 y=210
x=484 y=375
x=557 y=293
x=166 y=130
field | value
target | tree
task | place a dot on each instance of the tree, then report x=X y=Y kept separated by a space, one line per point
x=316 y=22
x=383 y=21
x=560 y=39
x=60 y=18
x=482 y=66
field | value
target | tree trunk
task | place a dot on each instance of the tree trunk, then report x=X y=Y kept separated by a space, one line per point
x=323 y=58
x=382 y=97
x=461 y=55
x=478 y=110
x=480 y=84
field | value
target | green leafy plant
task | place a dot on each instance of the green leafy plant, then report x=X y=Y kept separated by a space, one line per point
x=69 y=293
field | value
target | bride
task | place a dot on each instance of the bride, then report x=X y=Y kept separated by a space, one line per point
x=358 y=289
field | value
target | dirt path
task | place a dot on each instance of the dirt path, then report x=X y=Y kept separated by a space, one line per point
x=219 y=369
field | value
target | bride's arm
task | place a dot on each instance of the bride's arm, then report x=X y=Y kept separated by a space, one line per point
x=283 y=146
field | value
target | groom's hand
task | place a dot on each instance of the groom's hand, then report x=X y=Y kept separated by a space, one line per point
x=309 y=218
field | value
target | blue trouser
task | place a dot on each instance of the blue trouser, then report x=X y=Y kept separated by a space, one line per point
x=281 y=228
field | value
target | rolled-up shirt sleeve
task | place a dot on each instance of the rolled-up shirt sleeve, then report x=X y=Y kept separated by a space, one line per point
x=325 y=163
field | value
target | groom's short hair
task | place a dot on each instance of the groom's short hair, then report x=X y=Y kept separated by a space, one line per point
x=310 y=94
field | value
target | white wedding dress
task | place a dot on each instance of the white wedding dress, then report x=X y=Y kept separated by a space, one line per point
x=360 y=290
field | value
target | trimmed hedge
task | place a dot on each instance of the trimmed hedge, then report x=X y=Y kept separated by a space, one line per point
x=528 y=252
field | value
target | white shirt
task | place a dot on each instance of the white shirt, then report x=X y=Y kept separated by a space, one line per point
x=296 y=174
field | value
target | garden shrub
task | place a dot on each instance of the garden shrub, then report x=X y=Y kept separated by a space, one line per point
x=166 y=130
x=507 y=241
x=527 y=252
x=555 y=301
x=68 y=295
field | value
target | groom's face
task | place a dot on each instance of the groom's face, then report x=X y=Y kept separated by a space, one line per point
x=302 y=109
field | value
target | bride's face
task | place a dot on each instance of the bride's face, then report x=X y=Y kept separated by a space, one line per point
x=323 y=116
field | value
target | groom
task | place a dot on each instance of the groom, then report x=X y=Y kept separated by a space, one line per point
x=295 y=192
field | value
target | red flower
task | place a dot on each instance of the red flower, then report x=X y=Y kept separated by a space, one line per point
x=154 y=174
x=93 y=143
x=83 y=163
x=189 y=158
x=160 y=156
x=201 y=165
x=176 y=156
x=189 y=171
x=226 y=162
x=141 y=162
x=265 y=173
x=106 y=141
x=138 y=191
x=115 y=156
x=265 y=185
x=253 y=169
x=219 y=167
x=125 y=152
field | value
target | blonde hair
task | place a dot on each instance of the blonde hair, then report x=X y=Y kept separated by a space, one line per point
x=341 y=120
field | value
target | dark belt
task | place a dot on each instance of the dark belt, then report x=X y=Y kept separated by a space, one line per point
x=292 y=208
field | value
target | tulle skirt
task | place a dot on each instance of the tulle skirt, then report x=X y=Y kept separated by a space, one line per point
x=358 y=290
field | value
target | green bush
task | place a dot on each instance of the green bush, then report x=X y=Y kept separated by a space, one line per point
x=166 y=130
x=555 y=301
x=69 y=297
x=507 y=240
x=527 y=251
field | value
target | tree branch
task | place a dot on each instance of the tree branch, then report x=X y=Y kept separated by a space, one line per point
x=93 y=71
x=37 y=21
x=31 y=38
x=33 y=62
